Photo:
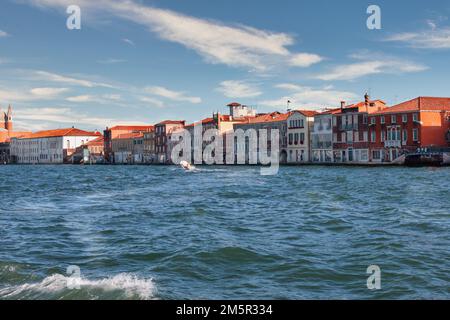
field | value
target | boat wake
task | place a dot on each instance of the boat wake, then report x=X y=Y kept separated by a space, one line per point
x=57 y=286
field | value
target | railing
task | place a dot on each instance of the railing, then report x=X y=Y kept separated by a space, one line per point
x=392 y=144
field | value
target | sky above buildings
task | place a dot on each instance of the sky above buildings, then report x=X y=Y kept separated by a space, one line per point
x=136 y=62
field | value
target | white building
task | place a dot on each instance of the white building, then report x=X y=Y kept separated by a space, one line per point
x=322 y=137
x=299 y=126
x=49 y=147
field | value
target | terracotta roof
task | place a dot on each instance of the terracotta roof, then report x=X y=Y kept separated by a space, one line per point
x=171 y=122
x=135 y=128
x=70 y=132
x=130 y=135
x=98 y=141
x=420 y=103
x=307 y=113
x=268 y=117
x=330 y=111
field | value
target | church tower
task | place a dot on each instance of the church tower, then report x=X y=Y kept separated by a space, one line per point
x=8 y=119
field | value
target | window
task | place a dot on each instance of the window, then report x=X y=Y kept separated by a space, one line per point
x=393 y=119
x=383 y=136
x=405 y=135
x=296 y=138
x=415 y=135
x=290 y=138
x=376 y=155
x=373 y=136
x=365 y=136
x=415 y=117
x=343 y=137
x=398 y=138
x=335 y=137
x=372 y=120
x=365 y=119
x=382 y=120
x=334 y=121
x=302 y=137
x=350 y=136
x=405 y=118
x=356 y=136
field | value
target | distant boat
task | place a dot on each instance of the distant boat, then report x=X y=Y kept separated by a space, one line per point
x=187 y=166
x=427 y=158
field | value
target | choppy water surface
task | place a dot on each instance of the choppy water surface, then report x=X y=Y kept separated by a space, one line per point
x=223 y=232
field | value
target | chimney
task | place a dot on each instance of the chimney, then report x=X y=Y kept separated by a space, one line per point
x=366 y=98
x=342 y=105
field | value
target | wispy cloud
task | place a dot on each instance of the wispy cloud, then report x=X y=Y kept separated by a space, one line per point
x=172 y=95
x=111 y=61
x=370 y=64
x=3 y=34
x=303 y=97
x=434 y=38
x=44 y=118
x=230 y=44
x=238 y=89
x=102 y=99
x=152 y=101
x=48 y=92
x=128 y=41
x=34 y=94
x=53 y=77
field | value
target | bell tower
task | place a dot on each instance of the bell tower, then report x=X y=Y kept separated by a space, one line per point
x=8 y=119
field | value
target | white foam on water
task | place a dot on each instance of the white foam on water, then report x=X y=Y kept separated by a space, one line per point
x=129 y=284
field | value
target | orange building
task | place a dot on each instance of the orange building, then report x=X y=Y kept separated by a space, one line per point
x=114 y=132
x=422 y=122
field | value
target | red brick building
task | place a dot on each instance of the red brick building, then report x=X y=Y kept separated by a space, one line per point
x=422 y=122
x=351 y=130
x=162 y=131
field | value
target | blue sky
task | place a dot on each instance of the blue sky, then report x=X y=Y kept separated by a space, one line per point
x=137 y=62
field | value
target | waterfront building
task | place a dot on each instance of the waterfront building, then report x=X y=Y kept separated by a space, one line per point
x=5 y=148
x=269 y=121
x=162 y=130
x=423 y=122
x=50 y=146
x=123 y=147
x=112 y=133
x=224 y=124
x=351 y=130
x=149 y=146
x=322 y=137
x=138 y=149
x=90 y=152
x=300 y=124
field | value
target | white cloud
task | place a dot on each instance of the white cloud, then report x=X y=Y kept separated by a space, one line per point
x=82 y=98
x=48 y=92
x=34 y=94
x=46 y=118
x=371 y=64
x=53 y=77
x=130 y=42
x=153 y=101
x=238 y=89
x=303 y=97
x=3 y=34
x=232 y=45
x=172 y=95
x=435 y=38
x=305 y=59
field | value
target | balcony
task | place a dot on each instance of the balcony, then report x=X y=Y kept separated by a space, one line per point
x=392 y=144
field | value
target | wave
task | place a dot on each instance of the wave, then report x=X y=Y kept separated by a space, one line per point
x=57 y=286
